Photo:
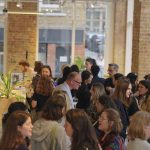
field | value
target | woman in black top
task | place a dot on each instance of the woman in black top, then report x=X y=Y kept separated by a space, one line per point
x=83 y=93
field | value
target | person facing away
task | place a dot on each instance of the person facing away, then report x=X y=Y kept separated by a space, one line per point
x=139 y=131
x=28 y=74
x=38 y=69
x=18 y=128
x=79 y=128
x=12 y=108
x=73 y=81
x=83 y=93
x=65 y=72
x=96 y=79
x=43 y=91
x=27 y=71
x=48 y=134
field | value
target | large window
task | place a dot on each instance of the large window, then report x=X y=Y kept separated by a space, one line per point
x=55 y=34
x=95 y=33
x=57 y=43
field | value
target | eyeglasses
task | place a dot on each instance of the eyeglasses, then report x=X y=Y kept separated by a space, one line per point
x=77 y=82
x=147 y=125
x=102 y=118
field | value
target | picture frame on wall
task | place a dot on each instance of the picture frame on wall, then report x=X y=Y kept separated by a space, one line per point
x=16 y=77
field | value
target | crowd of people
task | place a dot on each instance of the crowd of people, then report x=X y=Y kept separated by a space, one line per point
x=79 y=110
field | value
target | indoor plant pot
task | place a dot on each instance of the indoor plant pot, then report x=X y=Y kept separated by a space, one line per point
x=7 y=94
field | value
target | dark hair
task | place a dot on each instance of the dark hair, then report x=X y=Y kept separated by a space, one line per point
x=147 y=77
x=38 y=66
x=49 y=68
x=113 y=65
x=85 y=75
x=13 y=107
x=53 y=107
x=107 y=102
x=91 y=61
x=24 y=63
x=75 y=68
x=66 y=72
x=117 y=76
x=132 y=77
x=146 y=84
x=83 y=129
x=44 y=86
x=11 y=137
x=95 y=70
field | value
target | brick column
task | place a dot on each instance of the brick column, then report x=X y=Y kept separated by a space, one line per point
x=120 y=34
x=141 y=38
x=51 y=57
x=21 y=34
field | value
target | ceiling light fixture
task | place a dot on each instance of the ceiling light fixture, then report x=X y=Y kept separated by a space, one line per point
x=19 y=4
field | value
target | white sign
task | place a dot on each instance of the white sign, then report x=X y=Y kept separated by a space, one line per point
x=63 y=59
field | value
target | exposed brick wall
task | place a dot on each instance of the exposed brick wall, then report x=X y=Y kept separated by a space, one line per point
x=142 y=38
x=51 y=56
x=21 y=35
x=65 y=21
x=136 y=36
x=120 y=34
x=80 y=51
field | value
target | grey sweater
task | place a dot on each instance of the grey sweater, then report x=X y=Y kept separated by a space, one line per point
x=49 y=135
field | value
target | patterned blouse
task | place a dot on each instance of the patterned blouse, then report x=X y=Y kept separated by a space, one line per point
x=112 y=142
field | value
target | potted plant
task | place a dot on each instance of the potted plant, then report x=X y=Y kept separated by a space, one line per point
x=79 y=62
x=7 y=92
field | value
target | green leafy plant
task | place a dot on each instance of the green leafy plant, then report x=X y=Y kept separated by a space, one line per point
x=79 y=62
x=6 y=87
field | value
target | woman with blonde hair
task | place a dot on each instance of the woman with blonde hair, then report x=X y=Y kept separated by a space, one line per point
x=97 y=90
x=139 y=131
x=145 y=104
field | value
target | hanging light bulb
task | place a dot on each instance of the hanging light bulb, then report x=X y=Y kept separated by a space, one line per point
x=92 y=5
x=19 y=4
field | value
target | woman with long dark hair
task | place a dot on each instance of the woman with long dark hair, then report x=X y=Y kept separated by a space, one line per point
x=79 y=128
x=140 y=101
x=18 y=128
x=121 y=98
